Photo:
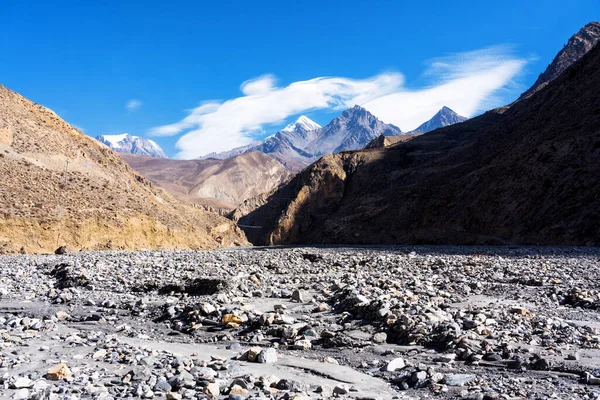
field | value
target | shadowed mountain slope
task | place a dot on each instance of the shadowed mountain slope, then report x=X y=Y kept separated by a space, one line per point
x=528 y=175
x=577 y=46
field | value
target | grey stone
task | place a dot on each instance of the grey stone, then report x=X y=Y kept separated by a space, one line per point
x=458 y=379
x=267 y=356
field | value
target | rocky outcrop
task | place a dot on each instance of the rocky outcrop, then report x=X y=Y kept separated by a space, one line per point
x=383 y=141
x=577 y=46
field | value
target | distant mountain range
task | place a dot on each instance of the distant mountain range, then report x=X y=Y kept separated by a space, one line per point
x=301 y=142
x=127 y=143
x=304 y=141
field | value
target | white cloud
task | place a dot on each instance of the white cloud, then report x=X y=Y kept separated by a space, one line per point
x=465 y=82
x=133 y=105
x=219 y=126
x=261 y=85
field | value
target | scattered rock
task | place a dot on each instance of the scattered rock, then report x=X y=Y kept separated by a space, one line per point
x=268 y=355
x=62 y=250
x=395 y=364
x=62 y=316
x=341 y=388
x=252 y=354
x=458 y=379
x=58 y=372
x=380 y=337
x=297 y=296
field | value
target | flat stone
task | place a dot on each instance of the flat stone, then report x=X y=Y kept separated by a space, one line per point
x=445 y=358
x=302 y=344
x=148 y=361
x=395 y=364
x=99 y=354
x=21 y=394
x=21 y=383
x=380 y=337
x=62 y=316
x=458 y=379
x=162 y=385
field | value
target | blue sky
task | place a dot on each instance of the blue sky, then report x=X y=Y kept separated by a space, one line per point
x=87 y=60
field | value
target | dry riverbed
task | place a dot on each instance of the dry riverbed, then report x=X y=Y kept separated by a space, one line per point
x=303 y=323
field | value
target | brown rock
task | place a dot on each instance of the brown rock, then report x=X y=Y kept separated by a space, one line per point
x=58 y=372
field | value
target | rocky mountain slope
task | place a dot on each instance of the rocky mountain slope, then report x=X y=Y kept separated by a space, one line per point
x=526 y=175
x=382 y=141
x=577 y=46
x=61 y=187
x=221 y=184
x=352 y=130
x=304 y=141
x=444 y=117
x=126 y=143
x=284 y=146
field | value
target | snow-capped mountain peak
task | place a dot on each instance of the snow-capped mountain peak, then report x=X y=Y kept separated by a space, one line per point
x=302 y=123
x=446 y=116
x=352 y=130
x=115 y=140
x=126 y=143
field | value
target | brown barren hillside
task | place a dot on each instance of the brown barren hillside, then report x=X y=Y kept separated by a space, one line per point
x=218 y=183
x=529 y=175
x=59 y=186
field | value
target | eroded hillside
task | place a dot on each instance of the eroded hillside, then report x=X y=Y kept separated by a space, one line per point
x=61 y=187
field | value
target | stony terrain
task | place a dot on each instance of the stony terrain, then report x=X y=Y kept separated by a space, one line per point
x=60 y=186
x=303 y=323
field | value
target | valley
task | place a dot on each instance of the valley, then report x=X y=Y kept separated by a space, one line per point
x=261 y=255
